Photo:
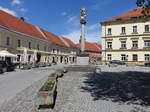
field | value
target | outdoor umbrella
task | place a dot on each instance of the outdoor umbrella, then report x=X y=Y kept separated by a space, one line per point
x=7 y=54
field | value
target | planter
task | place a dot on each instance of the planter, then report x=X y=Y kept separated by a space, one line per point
x=35 y=65
x=60 y=73
x=47 y=94
x=65 y=70
x=26 y=66
x=42 y=64
x=53 y=76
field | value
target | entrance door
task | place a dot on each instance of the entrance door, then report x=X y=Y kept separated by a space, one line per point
x=135 y=57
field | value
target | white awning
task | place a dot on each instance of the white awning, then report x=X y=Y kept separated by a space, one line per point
x=7 y=54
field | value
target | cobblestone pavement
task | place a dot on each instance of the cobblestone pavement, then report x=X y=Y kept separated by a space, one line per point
x=71 y=97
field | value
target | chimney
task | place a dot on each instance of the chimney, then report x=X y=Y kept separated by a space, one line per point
x=22 y=18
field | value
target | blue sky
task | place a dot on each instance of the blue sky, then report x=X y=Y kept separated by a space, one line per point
x=62 y=17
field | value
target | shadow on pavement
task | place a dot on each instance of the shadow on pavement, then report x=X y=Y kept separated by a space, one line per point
x=122 y=87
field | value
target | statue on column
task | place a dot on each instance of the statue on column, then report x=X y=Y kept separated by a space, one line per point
x=83 y=16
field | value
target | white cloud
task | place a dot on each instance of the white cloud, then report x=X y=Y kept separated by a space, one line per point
x=74 y=35
x=99 y=3
x=23 y=10
x=72 y=22
x=92 y=34
x=93 y=27
x=15 y=2
x=64 y=13
x=72 y=19
x=8 y=11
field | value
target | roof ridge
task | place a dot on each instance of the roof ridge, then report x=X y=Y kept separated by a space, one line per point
x=97 y=46
x=64 y=41
x=40 y=31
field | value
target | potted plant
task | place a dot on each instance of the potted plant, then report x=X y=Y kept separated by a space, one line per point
x=47 y=93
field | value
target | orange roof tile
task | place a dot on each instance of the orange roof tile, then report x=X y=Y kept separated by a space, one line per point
x=16 y=24
x=91 y=46
x=53 y=38
x=70 y=42
x=134 y=13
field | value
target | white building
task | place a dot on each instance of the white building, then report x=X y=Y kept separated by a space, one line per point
x=127 y=38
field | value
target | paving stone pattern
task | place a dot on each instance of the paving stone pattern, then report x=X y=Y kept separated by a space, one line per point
x=71 y=97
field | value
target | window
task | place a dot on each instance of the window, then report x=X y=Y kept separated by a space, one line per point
x=109 y=45
x=134 y=29
x=30 y=45
x=109 y=57
x=49 y=49
x=147 y=43
x=8 y=41
x=109 y=31
x=135 y=44
x=147 y=57
x=123 y=57
x=123 y=44
x=57 y=51
x=123 y=30
x=19 y=43
x=45 y=48
x=38 y=47
x=53 y=50
x=146 y=28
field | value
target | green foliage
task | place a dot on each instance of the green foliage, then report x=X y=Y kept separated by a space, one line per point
x=48 y=85
x=145 y=4
x=53 y=75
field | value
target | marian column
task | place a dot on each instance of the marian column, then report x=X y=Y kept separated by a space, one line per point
x=83 y=23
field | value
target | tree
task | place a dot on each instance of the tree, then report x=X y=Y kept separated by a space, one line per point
x=145 y=4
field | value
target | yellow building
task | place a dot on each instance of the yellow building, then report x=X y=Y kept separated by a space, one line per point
x=127 y=38
x=33 y=44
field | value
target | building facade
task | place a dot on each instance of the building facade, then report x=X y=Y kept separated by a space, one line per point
x=93 y=50
x=127 y=38
x=33 y=44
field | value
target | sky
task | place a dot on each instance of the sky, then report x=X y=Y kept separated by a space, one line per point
x=62 y=17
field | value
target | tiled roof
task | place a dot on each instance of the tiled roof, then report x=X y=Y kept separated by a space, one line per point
x=70 y=42
x=16 y=24
x=54 y=39
x=91 y=46
x=131 y=14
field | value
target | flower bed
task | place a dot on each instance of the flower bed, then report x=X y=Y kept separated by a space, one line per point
x=53 y=76
x=47 y=93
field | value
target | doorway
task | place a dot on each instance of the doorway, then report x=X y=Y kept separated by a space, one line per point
x=135 y=57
